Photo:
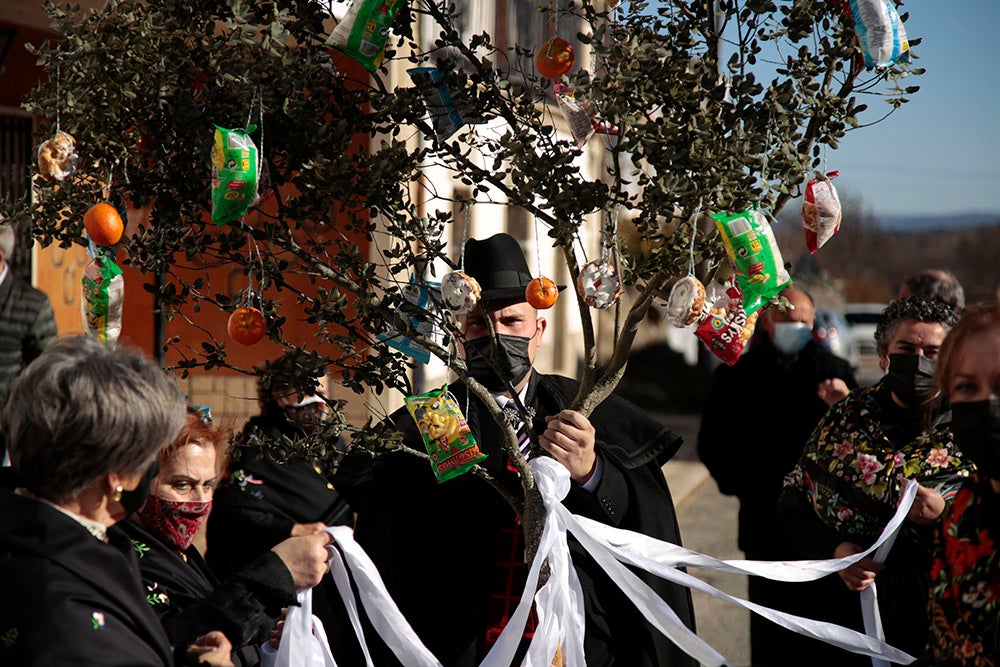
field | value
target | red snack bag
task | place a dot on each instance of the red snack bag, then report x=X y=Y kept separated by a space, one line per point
x=820 y=211
x=728 y=328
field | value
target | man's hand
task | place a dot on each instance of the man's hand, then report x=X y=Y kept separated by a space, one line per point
x=569 y=438
x=303 y=529
x=212 y=649
x=927 y=506
x=861 y=575
x=832 y=390
x=305 y=557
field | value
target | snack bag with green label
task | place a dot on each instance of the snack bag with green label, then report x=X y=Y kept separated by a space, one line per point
x=103 y=298
x=363 y=33
x=760 y=269
x=234 y=174
x=447 y=437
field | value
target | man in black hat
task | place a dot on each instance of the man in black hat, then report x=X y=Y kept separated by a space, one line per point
x=452 y=555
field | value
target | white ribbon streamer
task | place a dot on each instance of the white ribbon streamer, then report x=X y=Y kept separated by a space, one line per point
x=559 y=603
x=383 y=613
x=869 y=596
x=303 y=639
x=661 y=559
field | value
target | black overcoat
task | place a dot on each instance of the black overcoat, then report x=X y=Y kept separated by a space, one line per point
x=435 y=544
x=190 y=600
x=67 y=598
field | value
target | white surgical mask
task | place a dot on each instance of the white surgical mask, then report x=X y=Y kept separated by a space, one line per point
x=791 y=337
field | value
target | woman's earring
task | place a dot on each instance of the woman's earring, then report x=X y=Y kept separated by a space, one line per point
x=118 y=494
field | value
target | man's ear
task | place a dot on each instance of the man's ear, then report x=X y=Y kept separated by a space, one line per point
x=541 y=323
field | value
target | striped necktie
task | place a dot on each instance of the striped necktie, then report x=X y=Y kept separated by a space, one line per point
x=520 y=428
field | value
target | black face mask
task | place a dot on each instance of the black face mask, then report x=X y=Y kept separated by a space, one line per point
x=911 y=378
x=511 y=360
x=976 y=426
x=132 y=501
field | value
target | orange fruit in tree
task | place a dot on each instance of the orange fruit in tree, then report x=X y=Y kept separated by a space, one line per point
x=554 y=58
x=247 y=325
x=541 y=293
x=103 y=224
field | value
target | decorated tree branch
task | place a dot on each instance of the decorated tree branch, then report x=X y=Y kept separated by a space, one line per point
x=693 y=107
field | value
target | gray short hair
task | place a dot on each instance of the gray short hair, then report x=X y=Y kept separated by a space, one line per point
x=82 y=410
x=7 y=239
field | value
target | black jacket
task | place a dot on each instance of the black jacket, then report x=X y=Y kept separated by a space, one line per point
x=435 y=544
x=67 y=598
x=759 y=415
x=190 y=600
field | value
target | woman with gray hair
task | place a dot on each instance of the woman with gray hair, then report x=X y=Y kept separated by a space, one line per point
x=84 y=428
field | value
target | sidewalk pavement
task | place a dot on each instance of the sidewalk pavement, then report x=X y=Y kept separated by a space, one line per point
x=708 y=525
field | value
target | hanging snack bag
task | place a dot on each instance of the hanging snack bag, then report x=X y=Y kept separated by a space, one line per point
x=820 y=212
x=234 y=174
x=421 y=296
x=728 y=328
x=449 y=442
x=103 y=298
x=880 y=32
x=363 y=33
x=580 y=124
x=750 y=243
x=446 y=117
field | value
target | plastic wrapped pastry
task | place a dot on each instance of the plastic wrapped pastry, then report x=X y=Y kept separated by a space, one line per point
x=686 y=304
x=460 y=292
x=599 y=284
x=57 y=157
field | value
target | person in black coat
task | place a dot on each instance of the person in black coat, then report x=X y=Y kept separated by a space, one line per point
x=262 y=502
x=84 y=426
x=452 y=554
x=758 y=417
x=183 y=591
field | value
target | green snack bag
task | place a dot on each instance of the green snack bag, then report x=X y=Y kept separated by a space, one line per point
x=103 y=298
x=750 y=243
x=364 y=31
x=234 y=174
x=449 y=442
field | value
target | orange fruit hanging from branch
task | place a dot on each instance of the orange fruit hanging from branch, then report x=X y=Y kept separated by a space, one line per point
x=554 y=58
x=541 y=293
x=247 y=325
x=103 y=224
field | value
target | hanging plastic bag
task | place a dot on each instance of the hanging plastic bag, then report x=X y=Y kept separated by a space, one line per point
x=880 y=32
x=303 y=639
x=234 y=174
x=363 y=33
x=821 y=212
x=750 y=244
x=728 y=328
x=103 y=298
x=449 y=441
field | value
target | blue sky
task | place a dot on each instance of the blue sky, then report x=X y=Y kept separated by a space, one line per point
x=941 y=152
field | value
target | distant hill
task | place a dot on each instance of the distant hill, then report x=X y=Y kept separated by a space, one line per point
x=931 y=223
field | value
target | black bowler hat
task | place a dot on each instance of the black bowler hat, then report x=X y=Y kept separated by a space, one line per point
x=498 y=265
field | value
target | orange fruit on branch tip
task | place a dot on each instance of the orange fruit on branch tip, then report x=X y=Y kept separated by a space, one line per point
x=103 y=224
x=541 y=293
x=554 y=58
x=247 y=325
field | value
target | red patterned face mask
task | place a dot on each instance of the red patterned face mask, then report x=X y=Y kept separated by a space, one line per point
x=173 y=522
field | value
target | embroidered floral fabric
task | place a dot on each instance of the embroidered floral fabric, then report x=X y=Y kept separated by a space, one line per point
x=965 y=582
x=850 y=472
